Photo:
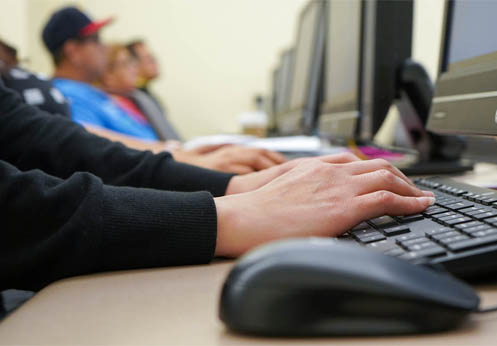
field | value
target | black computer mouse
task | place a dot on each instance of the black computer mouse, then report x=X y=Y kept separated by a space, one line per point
x=319 y=286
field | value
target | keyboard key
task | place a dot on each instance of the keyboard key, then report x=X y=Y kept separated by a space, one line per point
x=455 y=221
x=446 y=201
x=391 y=231
x=430 y=252
x=484 y=233
x=371 y=238
x=363 y=232
x=442 y=215
x=383 y=221
x=474 y=229
x=459 y=205
x=407 y=243
x=361 y=226
x=408 y=237
x=485 y=215
x=468 y=195
x=410 y=218
x=445 y=235
x=472 y=243
x=434 y=210
x=446 y=218
x=491 y=220
x=457 y=238
x=474 y=212
x=468 y=211
x=466 y=225
x=489 y=200
x=438 y=231
x=421 y=246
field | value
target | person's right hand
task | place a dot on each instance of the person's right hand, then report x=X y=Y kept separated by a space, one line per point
x=315 y=198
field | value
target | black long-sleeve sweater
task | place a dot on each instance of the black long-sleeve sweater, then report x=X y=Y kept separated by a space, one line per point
x=59 y=219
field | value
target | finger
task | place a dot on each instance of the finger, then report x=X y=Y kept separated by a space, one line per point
x=366 y=166
x=262 y=162
x=383 y=179
x=381 y=203
x=238 y=169
x=274 y=156
x=345 y=157
x=204 y=149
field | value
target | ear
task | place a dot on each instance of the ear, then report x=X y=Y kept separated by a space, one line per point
x=72 y=52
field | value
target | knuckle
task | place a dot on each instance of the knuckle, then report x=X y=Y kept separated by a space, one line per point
x=349 y=156
x=387 y=176
x=383 y=163
x=385 y=197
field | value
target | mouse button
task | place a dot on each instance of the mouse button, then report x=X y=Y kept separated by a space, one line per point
x=417 y=282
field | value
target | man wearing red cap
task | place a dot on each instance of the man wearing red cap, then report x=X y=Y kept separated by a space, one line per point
x=80 y=59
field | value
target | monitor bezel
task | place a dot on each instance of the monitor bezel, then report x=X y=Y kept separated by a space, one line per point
x=462 y=89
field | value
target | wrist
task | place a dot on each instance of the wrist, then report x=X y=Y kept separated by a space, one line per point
x=226 y=220
x=233 y=186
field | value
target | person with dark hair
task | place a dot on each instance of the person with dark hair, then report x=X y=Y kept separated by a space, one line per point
x=148 y=70
x=73 y=203
x=8 y=56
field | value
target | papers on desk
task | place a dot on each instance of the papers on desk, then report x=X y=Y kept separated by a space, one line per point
x=301 y=144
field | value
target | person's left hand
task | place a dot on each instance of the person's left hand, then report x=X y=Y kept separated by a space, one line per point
x=253 y=181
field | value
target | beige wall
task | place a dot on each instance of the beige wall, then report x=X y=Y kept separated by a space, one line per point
x=216 y=54
x=427 y=33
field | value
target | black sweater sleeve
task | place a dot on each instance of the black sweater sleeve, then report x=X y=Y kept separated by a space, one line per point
x=53 y=228
x=31 y=139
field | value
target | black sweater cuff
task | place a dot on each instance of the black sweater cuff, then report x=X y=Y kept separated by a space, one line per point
x=156 y=228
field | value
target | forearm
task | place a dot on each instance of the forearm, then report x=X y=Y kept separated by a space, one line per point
x=128 y=141
x=53 y=228
x=30 y=139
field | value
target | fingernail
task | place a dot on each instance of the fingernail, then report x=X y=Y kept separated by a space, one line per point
x=431 y=200
x=428 y=193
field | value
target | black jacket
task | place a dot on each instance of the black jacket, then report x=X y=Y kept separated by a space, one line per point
x=73 y=203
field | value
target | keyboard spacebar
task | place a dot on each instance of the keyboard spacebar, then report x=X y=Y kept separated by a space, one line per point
x=476 y=242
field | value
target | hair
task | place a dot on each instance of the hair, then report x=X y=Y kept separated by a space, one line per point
x=10 y=51
x=131 y=47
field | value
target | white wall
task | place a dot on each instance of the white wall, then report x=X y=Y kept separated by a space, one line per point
x=13 y=24
x=427 y=33
x=216 y=54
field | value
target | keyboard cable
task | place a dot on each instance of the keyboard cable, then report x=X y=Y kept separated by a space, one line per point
x=487 y=310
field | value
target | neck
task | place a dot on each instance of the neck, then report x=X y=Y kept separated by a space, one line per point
x=68 y=72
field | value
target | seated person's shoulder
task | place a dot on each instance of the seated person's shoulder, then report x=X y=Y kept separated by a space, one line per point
x=36 y=90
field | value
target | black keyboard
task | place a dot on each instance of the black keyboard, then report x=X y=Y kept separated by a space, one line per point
x=458 y=232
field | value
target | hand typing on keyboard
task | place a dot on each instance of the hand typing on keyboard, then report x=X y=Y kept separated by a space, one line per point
x=317 y=197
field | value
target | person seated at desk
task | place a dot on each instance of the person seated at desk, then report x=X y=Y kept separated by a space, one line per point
x=34 y=89
x=73 y=203
x=148 y=70
x=80 y=60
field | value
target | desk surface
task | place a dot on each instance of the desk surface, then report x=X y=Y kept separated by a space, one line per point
x=178 y=306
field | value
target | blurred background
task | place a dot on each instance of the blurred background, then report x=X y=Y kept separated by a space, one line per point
x=215 y=55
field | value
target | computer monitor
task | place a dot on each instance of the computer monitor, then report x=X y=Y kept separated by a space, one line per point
x=340 y=108
x=284 y=81
x=306 y=71
x=465 y=99
x=386 y=45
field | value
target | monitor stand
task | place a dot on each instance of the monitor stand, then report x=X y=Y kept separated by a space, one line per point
x=438 y=154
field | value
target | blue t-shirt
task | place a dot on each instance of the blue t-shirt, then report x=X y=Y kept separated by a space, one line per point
x=94 y=107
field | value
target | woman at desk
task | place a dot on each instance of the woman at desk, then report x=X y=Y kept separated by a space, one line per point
x=73 y=203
